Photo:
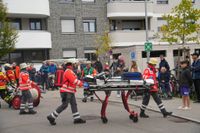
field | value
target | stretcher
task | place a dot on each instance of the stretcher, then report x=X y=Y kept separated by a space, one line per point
x=125 y=86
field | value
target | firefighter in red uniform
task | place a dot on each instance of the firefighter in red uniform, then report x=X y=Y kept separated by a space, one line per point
x=67 y=92
x=150 y=73
x=10 y=74
x=3 y=82
x=25 y=86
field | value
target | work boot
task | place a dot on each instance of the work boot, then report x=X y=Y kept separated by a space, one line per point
x=165 y=114
x=22 y=112
x=79 y=121
x=32 y=112
x=143 y=115
x=91 y=99
x=51 y=120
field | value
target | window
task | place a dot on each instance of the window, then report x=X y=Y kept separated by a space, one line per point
x=89 y=25
x=90 y=55
x=176 y=52
x=35 y=24
x=133 y=25
x=193 y=1
x=66 y=1
x=154 y=53
x=16 y=24
x=68 y=25
x=160 y=23
x=69 y=54
x=162 y=1
x=88 y=1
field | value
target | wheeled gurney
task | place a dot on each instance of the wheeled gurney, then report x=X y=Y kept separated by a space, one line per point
x=125 y=85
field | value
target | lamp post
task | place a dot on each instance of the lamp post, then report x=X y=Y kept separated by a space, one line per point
x=147 y=28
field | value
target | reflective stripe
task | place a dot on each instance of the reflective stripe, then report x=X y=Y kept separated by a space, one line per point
x=77 y=113
x=75 y=81
x=53 y=115
x=160 y=105
x=77 y=117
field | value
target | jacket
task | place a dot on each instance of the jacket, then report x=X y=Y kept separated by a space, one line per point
x=150 y=73
x=165 y=64
x=90 y=71
x=164 y=77
x=24 y=81
x=52 y=69
x=185 y=78
x=3 y=81
x=17 y=71
x=70 y=82
x=11 y=76
x=196 y=69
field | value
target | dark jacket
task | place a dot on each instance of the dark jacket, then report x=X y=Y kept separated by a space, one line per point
x=185 y=77
x=164 y=76
x=196 y=69
x=98 y=66
x=164 y=63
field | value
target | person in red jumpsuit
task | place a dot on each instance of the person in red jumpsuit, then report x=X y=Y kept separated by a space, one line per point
x=67 y=92
x=150 y=73
x=25 y=86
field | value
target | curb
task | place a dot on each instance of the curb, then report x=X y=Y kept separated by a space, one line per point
x=154 y=110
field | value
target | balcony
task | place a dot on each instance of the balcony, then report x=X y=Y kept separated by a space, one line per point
x=33 y=40
x=122 y=38
x=27 y=8
x=126 y=8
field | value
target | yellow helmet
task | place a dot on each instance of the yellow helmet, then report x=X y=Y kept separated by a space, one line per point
x=153 y=61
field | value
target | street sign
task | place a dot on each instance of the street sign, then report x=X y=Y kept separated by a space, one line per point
x=148 y=46
x=132 y=55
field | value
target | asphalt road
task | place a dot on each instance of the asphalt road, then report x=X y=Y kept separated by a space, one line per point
x=11 y=122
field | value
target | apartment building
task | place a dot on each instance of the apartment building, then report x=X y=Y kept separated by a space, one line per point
x=74 y=25
x=29 y=18
x=127 y=29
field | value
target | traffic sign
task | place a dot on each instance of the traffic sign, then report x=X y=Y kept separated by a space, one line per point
x=148 y=46
x=132 y=55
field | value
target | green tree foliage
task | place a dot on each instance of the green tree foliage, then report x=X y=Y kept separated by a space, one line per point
x=8 y=35
x=103 y=44
x=182 y=24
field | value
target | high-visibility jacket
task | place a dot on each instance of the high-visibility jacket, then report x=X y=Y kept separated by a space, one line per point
x=17 y=72
x=150 y=74
x=3 y=81
x=59 y=77
x=91 y=71
x=24 y=81
x=70 y=82
x=11 y=76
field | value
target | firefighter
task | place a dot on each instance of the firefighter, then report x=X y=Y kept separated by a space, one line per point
x=25 y=86
x=10 y=74
x=3 y=82
x=88 y=70
x=67 y=92
x=150 y=73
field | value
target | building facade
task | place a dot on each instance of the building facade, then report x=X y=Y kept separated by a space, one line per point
x=75 y=25
x=127 y=29
x=29 y=18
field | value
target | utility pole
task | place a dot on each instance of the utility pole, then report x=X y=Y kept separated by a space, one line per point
x=147 y=28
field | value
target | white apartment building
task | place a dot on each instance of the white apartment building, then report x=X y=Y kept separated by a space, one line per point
x=29 y=18
x=127 y=29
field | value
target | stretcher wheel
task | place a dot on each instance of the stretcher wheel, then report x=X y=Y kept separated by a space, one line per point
x=104 y=120
x=16 y=102
x=131 y=117
x=84 y=100
x=135 y=119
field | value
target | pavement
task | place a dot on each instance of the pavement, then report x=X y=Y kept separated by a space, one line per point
x=170 y=105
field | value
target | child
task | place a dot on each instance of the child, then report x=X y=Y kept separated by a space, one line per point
x=164 y=78
x=185 y=81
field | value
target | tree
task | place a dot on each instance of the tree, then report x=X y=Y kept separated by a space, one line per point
x=103 y=44
x=182 y=24
x=8 y=35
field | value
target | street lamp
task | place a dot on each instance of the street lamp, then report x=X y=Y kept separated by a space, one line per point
x=147 y=28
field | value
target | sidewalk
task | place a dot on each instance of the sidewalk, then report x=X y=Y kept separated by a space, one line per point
x=171 y=105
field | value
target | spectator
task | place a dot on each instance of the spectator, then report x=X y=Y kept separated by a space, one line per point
x=51 y=75
x=164 y=78
x=163 y=63
x=98 y=66
x=196 y=74
x=106 y=67
x=185 y=85
x=32 y=71
x=113 y=67
x=134 y=67
x=44 y=71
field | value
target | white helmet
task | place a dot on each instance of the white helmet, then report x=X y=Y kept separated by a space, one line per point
x=23 y=66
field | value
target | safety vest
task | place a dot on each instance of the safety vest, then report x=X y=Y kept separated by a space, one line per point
x=149 y=74
x=10 y=75
x=24 y=81
x=3 y=81
x=70 y=82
